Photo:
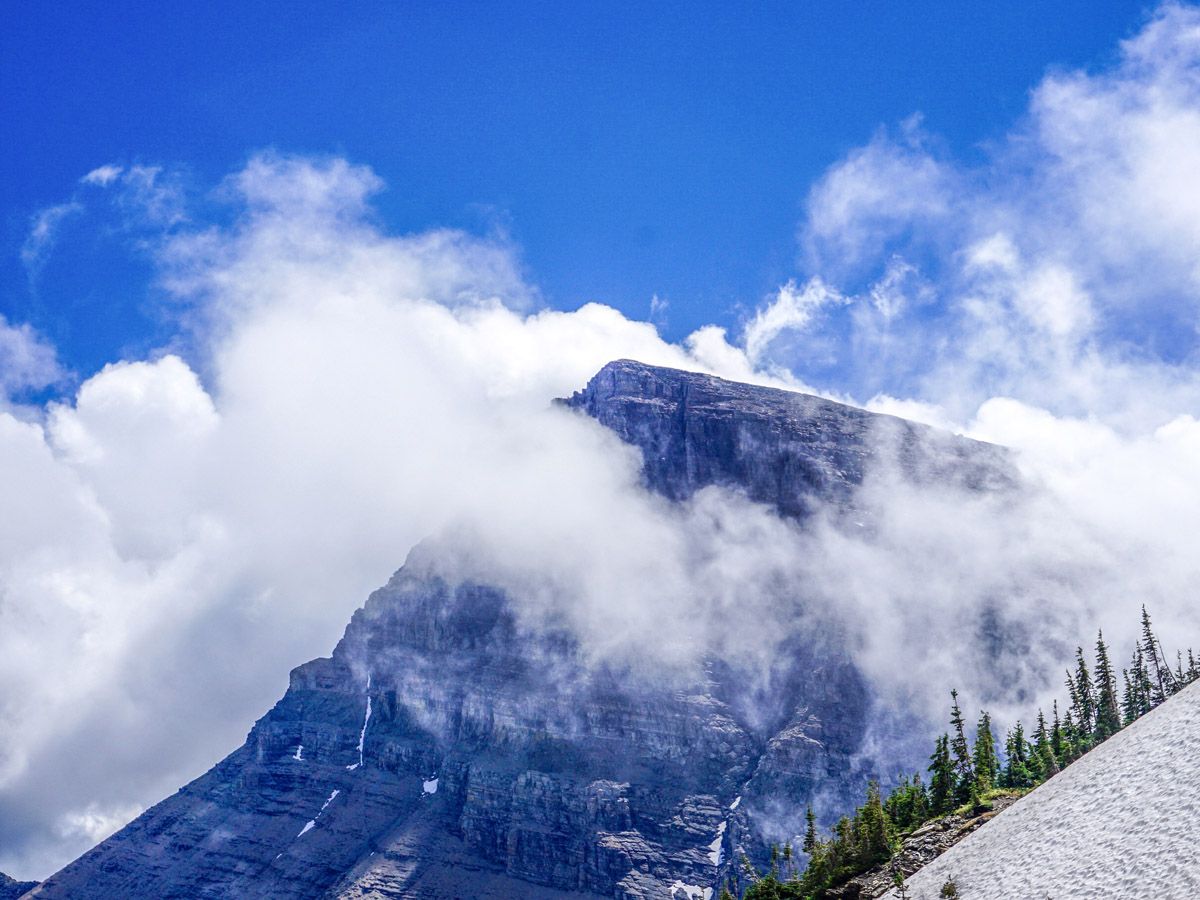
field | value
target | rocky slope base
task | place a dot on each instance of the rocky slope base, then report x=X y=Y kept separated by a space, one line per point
x=916 y=851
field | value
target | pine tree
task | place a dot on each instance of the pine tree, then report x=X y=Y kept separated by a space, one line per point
x=987 y=767
x=1069 y=739
x=1058 y=739
x=874 y=831
x=810 y=832
x=1016 y=765
x=1129 y=705
x=1193 y=671
x=1085 y=701
x=1141 y=683
x=1108 y=714
x=941 y=778
x=1043 y=755
x=1161 y=680
x=964 y=771
x=908 y=805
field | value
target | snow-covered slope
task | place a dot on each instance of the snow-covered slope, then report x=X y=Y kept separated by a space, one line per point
x=1122 y=822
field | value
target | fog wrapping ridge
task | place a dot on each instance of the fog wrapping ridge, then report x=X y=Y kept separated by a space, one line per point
x=185 y=528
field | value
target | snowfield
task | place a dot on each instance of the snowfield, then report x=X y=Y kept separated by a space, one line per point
x=1123 y=821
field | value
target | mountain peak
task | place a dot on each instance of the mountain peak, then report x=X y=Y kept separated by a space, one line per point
x=791 y=450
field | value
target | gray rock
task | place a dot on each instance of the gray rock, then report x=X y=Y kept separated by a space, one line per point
x=790 y=450
x=916 y=851
x=10 y=888
x=444 y=752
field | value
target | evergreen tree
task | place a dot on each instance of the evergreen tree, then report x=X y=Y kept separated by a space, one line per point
x=1016 y=766
x=1129 y=705
x=874 y=831
x=1142 y=685
x=810 y=832
x=964 y=771
x=1084 y=696
x=908 y=805
x=1108 y=714
x=1161 y=680
x=1058 y=739
x=941 y=778
x=987 y=766
x=1193 y=671
x=1069 y=739
x=1045 y=764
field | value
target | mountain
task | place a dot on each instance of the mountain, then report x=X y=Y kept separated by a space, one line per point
x=1118 y=823
x=443 y=751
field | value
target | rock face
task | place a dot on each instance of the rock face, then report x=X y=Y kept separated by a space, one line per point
x=789 y=450
x=444 y=752
x=10 y=888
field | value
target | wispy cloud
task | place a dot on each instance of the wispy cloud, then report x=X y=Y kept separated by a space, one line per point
x=44 y=227
x=1062 y=269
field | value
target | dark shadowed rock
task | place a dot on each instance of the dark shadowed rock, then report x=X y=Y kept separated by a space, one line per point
x=443 y=751
x=10 y=888
x=791 y=450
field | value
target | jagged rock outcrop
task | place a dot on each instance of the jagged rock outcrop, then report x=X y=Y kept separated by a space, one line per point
x=10 y=888
x=446 y=751
x=916 y=851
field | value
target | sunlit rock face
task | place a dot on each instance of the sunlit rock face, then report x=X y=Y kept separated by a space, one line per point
x=794 y=451
x=447 y=750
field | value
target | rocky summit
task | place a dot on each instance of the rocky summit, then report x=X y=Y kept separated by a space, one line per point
x=444 y=751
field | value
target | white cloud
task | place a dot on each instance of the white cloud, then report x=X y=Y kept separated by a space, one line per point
x=103 y=176
x=27 y=361
x=791 y=309
x=877 y=195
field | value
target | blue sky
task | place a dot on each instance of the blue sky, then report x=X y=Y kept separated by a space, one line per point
x=662 y=149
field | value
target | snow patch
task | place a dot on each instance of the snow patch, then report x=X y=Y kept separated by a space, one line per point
x=736 y=802
x=690 y=892
x=362 y=735
x=430 y=786
x=313 y=821
x=715 y=849
x=299 y=754
x=1120 y=822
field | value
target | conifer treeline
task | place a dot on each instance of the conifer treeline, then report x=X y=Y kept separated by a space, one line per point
x=965 y=776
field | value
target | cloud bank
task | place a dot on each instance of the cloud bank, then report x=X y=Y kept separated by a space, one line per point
x=337 y=393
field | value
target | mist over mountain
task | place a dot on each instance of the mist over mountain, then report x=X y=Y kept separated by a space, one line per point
x=471 y=736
